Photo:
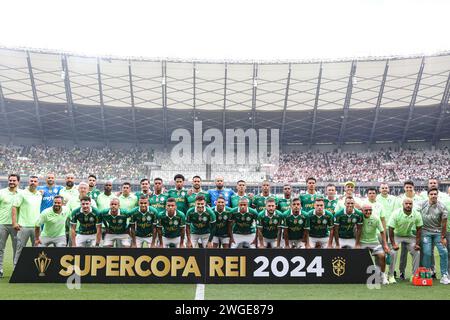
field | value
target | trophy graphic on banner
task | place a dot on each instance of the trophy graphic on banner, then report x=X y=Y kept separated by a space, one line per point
x=42 y=262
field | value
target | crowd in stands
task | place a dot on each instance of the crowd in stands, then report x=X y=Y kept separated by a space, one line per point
x=107 y=163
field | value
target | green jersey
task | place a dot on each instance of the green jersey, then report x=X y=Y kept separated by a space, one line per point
x=200 y=223
x=235 y=200
x=94 y=193
x=269 y=224
x=295 y=224
x=190 y=199
x=68 y=194
x=140 y=193
x=347 y=222
x=29 y=207
x=308 y=200
x=284 y=204
x=371 y=227
x=87 y=221
x=158 y=201
x=403 y=224
x=128 y=202
x=54 y=223
x=180 y=198
x=330 y=205
x=144 y=221
x=7 y=199
x=244 y=222
x=388 y=204
x=259 y=201
x=103 y=201
x=76 y=203
x=222 y=219
x=319 y=226
x=115 y=224
x=171 y=227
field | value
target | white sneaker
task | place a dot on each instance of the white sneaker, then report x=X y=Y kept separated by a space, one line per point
x=444 y=279
x=384 y=279
x=392 y=279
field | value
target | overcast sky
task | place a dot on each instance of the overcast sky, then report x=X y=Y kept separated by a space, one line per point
x=232 y=29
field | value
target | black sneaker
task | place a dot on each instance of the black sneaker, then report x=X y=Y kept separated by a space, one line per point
x=433 y=275
x=395 y=274
x=402 y=276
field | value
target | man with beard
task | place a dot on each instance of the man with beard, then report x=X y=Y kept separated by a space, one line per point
x=269 y=223
x=349 y=191
x=220 y=191
x=158 y=198
x=69 y=191
x=54 y=221
x=296 y=226
x=49 y=191
x=308 y=199
x=25 y=212
x=223 y=232
x=7 y=199
x=197 y=191
x=259 y=201
x=143 y=224
x=179 y=193
x=200 y=224
x=86 y=225
x=128 y=200
x=145 y=189
x=284 y=203
x=241 y=188
x=104 y=198
x=93 y=191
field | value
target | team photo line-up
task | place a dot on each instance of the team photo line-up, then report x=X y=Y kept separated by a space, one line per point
x=83 y=216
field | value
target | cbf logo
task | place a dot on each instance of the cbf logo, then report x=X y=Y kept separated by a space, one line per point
x=237 y=150
x=338 y=264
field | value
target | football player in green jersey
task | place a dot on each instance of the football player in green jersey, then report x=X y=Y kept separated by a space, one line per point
x=7 y=199
x=115 y=220
x=171 y=226
x=200 y=224
x=54 y=221
x=106 y=196
x=128 y=200
x=241 y=188
x=259 y=201
x=308 y=199
x=369 y=239
x=90 y=229
x=223 y=224
x=179 y=193
x=143 y=224
x=243 y=219
x=296 y=226
x=345 y=223
x=158 y=198
x=197 y=191
x=145 y=189
x=284 y=203
x=331 y=200
x=320 y=223
x=69 y=191
x=349 y=191
x=268 y=224
x=93 y=191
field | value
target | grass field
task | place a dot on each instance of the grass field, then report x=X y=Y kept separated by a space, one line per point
x=401 y=290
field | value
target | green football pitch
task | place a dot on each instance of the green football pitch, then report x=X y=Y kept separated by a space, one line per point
x=400 y=290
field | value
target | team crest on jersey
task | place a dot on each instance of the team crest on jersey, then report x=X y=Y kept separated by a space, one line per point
x=183 y=194
x=205 y=219
x=275 y=221
x=225 y=217
x=248 y=219
x=149 y=218
x=219 y=217
x=354 y=220
x=175 y=223
x=324 y=221
x=91 y=219
x=300 y=222
x=120 y=220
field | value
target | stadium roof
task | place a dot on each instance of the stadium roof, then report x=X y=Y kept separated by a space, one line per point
x=52 y=95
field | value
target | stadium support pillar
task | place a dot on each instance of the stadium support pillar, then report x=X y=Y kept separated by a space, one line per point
x=164 y=101
x=224 y=117
x=69 y=99
x=413 y=101
x=5 y=115
x=35 y=98
x=443 y=110
x=348 y=96
x=133 y=107
x=286 y=96
x=378 y=105
x=194 y=76
x=316 y=103
x=102 y=104
x=255 y=86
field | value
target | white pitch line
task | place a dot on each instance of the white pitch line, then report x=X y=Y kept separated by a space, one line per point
x=200 y=292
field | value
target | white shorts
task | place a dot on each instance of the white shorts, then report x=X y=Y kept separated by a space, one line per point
x=221 y=240
x=323 y=242
x=296 y=244
x=85 y=240
x=197 y=239
x=347 y=243
x=171 y=241
x=123 y=239
x=375 y=248
x=240 y=239
x=270 y=243
x=140 y=241
x=56 y=241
